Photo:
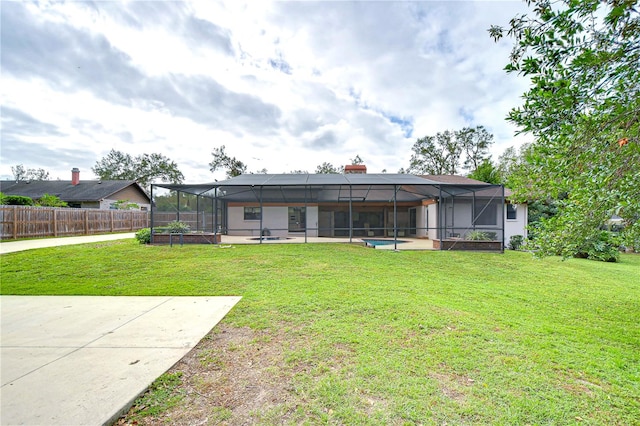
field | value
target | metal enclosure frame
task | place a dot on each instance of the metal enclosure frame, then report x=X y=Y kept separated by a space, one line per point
x=460 y=208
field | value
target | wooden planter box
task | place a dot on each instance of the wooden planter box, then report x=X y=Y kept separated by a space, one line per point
x=196 y=238
x=468 y=245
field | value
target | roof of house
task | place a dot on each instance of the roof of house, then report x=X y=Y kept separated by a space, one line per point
x=327 y=187
x=346 y=179
x=86 y=190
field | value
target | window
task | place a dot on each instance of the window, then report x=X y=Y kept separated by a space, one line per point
x=512 y=211
x=486 y=213
x=252 y=213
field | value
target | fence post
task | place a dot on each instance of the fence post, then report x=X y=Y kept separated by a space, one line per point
x=86 y=222
x=15 y=222
x=111 y=220
x=55 y=222
x=131 y=218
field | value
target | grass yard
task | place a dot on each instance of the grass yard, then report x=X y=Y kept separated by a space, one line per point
x=350 y=335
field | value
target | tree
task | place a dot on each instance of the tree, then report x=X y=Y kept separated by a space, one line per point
x=487 y=172
x=435 y=155
x=583 y=109
x=448 y=152
x=221 y=160
x=357 y=160
x=22 y=174
x=144 y=168
x=475 y=144
x=328 y=168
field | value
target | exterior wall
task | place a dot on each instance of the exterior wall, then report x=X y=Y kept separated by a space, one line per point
x=432 y=221
x=130 y=193
x=517 y=226
x=106 y=204
x=312 y=221
x=421 y=221
x=275 y=218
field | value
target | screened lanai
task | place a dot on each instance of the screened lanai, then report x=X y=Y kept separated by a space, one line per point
x=353 y=206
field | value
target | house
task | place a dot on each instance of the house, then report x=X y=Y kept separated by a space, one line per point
x=352 y=204
x=92 y=194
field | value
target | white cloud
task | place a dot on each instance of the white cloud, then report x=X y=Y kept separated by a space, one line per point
x=283 y=85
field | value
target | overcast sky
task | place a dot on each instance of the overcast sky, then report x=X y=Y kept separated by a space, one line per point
x=283 y=85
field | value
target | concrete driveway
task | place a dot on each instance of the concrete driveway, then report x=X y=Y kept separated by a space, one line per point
x=83 y=360
x=21 y=245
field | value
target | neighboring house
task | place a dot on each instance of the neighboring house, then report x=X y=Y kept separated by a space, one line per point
x=356 y=204
x=92 y=194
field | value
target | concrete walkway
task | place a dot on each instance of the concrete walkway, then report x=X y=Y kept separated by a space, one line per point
x=11 y=246
x=82 y=360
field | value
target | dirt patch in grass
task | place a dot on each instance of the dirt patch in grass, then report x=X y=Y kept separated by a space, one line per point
x=233 y=376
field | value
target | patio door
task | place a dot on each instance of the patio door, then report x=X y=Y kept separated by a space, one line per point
x=297 y=219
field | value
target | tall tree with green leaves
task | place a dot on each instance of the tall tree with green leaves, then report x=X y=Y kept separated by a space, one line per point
x=583 y=108
x=486 y=172
x=144 y=169
x=222 y=160
x=357 y=160
x=436 y=155
x=22 y=174
x=475 y=142
x=448 y=152
x=328 y=168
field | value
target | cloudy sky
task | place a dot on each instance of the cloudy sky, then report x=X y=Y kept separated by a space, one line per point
x=283 y=85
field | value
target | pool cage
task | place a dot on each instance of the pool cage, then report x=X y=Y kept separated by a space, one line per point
x=449 y=210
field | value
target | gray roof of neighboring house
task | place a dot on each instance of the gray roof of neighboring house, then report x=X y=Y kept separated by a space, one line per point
x=86 y=190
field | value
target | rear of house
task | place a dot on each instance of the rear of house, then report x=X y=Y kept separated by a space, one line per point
x=355 y=206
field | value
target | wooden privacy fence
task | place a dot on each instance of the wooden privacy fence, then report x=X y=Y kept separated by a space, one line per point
x=30 y=222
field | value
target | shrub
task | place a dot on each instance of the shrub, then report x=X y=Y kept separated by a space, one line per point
x=477 y=236
x=177 y=227
x=48 y=200
x=599 y=246
x=18 y=200
x=144 y=235
x=515 y=242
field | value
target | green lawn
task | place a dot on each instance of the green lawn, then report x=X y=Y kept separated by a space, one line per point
x=398 y=337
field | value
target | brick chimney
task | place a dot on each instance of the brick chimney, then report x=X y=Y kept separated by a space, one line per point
x=75 y=176
x=355 y=169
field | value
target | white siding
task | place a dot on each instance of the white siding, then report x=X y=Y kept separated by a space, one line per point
x=275 y=218
x=517 y=226
x=312 y=221
x=432 y=221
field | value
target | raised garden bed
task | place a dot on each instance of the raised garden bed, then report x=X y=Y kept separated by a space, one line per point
x=470 y=245
x=190 y=238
